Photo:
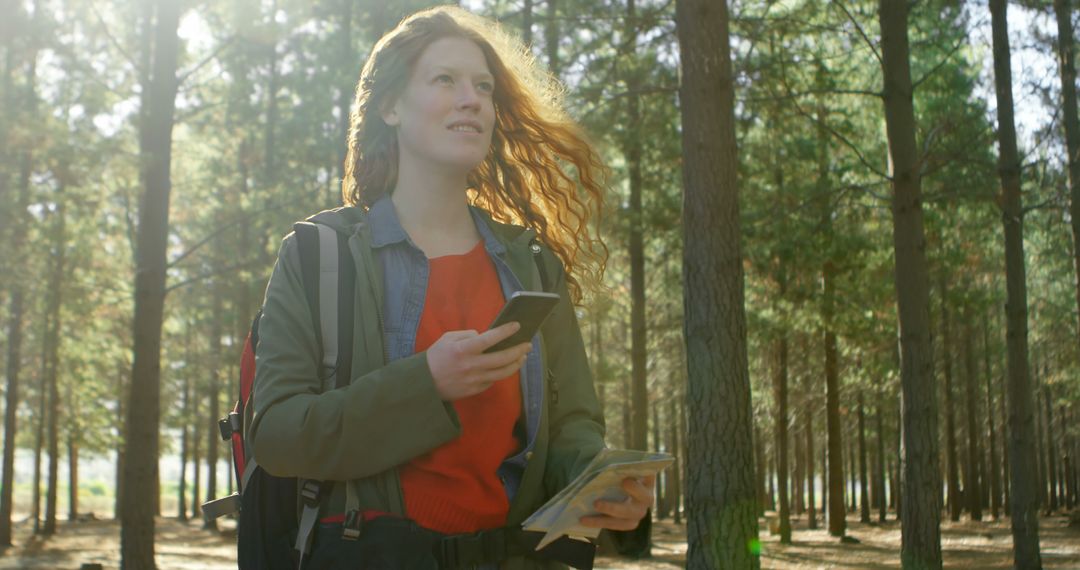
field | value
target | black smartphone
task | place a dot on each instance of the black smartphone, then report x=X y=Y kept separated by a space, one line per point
x=530 y=309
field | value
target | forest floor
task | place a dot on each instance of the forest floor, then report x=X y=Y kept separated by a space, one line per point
x=966 y=544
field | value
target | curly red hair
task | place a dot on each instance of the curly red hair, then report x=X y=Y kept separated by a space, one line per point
x=541 y=171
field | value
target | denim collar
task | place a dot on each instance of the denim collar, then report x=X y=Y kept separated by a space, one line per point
x=386 y=227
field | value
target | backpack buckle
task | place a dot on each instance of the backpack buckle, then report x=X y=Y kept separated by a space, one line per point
x=353 y=526
x=309 y=493
x=229 y=425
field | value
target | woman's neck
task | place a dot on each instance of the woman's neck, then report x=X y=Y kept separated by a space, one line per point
x=433 y=209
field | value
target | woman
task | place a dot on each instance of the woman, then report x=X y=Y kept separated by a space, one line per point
x=454 y=127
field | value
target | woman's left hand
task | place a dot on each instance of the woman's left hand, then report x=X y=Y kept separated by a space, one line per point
x=626 y=514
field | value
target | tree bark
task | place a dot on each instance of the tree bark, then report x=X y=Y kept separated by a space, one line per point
x=811 y=510
x=723 y=529
x=972 y=491
x=879 y=483
x=864 y=481
x=142 y=426
x=674 y=493
x=1025 y=519
x=952 y=485
x=995 y=467
x=551 y=40
x=19 y=223
x=834 y=444
x=781 y=421
x=1067 y=69
x=214 y=395
x=53 y=338
x=1050 y=443
x=632 y=150
x=39 y=440
x=921 y=505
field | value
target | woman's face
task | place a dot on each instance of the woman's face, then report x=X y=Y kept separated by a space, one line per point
x=446 y=114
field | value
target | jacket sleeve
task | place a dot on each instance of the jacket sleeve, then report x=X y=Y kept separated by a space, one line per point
x=380 y=420
x=575 y=422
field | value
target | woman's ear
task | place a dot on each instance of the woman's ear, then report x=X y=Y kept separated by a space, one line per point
x=389 y=114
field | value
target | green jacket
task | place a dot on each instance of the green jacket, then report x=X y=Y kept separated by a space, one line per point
x=390 y=412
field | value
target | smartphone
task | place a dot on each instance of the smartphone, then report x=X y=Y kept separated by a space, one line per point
x=528 y=308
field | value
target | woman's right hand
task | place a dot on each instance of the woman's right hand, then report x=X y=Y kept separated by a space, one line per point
x=460 y=367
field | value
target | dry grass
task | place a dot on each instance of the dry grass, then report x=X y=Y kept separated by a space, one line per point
x=966 y=544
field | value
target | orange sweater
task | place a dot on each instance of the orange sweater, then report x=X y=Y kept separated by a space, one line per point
x=455 y=488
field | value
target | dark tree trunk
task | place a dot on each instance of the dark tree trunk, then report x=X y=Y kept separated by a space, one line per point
x=798 y=483
x=661 y=496
x=53 y=338
x=142 y=429
x=181 y=499
x=1050 y=443
x=864 y=481
x=811 y=511
x=73 y=476
x=19 y=228
x=212 y=434
x=835 y=445
x=1067 y=69
x=972 y=492
x=527 y=24
x=879 y=483
x=196 y=458
x=39 y=441
x=551 y=39
x=674 y=489
x=632 y=150
x=683 y=454
x=720 y=484
x=770 y=471
x=921 y=505
x=781 y=421
x=345 y=93
x=952 y=485
x=994 y=468
x=762 y=473
x=1025 y=516
x=1006 y=481
x=852 y=479
x=824 y=484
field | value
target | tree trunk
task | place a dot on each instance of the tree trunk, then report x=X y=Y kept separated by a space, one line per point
x=723 y=529
x=674 y=490
x=972 y=492
x=196 y=458
x=19 y=228
x=762 y=473
x=834 y=444
x=661 y=496
x=798 y=482
x=864 y=499
x=770 y=470
x=52 y=380
x=824 y=484
x=214 y=389
x=952 y=479
x=1006 y=481
x=879 y=483
x=39 y=440
x=852 y=490
x=551 y=40
x=1025 y=517
x=142 y=427
x=781 y=421
x=181 y=499
x=1067 y=69
x=1050 y=443
x=921 y=505
x=73 y=476
x=632 y=150
x=683 y=454
x=811 y=510
x=994 y=468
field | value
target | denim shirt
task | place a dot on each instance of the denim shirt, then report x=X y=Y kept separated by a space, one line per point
x=405 y=281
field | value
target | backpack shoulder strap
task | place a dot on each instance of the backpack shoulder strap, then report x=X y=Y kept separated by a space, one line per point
x=329 y=279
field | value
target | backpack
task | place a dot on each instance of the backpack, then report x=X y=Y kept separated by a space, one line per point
x=272 y=511
x=268 y=505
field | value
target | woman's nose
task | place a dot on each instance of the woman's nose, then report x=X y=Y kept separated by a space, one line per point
x=468 y=97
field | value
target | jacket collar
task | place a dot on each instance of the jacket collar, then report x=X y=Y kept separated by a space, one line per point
x=386 y=228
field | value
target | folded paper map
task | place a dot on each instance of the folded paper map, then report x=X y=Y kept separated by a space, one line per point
x=601 y=479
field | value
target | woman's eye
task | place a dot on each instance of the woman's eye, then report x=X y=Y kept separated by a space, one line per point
x=486 y=86
x=444 y=78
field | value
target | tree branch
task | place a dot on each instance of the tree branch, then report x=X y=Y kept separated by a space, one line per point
x=858 y=28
